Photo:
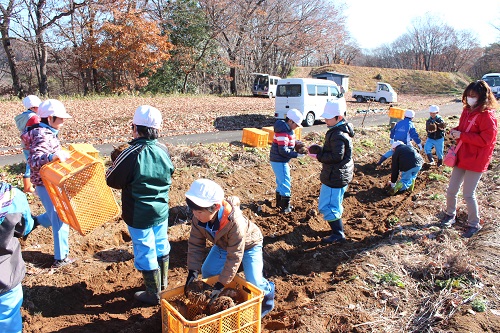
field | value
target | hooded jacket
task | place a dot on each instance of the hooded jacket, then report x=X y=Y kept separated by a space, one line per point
x=282 y=148
x=336 y=156
x=439 y=133
x=478 y=143
x=43 y=144
x=236 y=234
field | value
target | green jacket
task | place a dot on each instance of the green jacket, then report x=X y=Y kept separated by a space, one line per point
x=144 y=173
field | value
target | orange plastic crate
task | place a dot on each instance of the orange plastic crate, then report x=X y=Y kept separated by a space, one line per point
x=396 y=113
x=78 y=190
x=244 y=317
x=270 y=131
x=86 y=148
x=255 y=137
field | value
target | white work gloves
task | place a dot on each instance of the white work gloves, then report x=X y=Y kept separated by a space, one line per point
x=300 y=155
x=62 y=155
x=419 y=146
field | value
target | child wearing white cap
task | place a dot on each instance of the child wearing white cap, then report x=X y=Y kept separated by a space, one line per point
x=282 y=150
x=407 y=161
x=143 y=172
x=24 y=121
x=435 y=127
x=45 y=147
x=236 y=241
x=337 y=168
x=403 y=131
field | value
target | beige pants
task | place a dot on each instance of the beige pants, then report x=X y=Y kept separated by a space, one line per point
x=469 y=179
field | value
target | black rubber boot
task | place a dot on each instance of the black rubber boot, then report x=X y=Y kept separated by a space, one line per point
x=163 y=265
x=285 y=205
x=152 y=282
x=278 y=199
x=337 y=235
x=382 y=159
x=431 y=160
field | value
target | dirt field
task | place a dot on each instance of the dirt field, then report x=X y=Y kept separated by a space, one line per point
x=398 y=272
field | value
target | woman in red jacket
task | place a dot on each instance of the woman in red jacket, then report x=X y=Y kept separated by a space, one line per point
x=474 y=155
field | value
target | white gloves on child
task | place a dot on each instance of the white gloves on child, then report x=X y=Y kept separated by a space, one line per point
x=62 y=155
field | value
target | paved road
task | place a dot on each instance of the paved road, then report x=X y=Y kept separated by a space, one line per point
x=371 y=119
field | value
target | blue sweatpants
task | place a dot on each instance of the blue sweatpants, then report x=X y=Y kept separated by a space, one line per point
x=330 y=202
x=438 y=144
x=283 y=178
x=407 y=177
x=10 y=310
x=149 y=245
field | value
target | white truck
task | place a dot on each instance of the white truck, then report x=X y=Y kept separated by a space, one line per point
x=383 y=94
x=493 y=80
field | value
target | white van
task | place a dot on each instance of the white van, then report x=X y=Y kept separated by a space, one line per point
x=309 y=96
x=264 y=85
x=493 y=80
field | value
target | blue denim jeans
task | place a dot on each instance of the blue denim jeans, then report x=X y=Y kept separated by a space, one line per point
x=283 y=178
x=434 y=143
x=149 y=245
x=253 y=266
x=10 y=310
x=60 y=230
x=330 y=202
x=407 y=177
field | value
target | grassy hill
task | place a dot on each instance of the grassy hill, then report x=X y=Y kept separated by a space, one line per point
x=404 y=81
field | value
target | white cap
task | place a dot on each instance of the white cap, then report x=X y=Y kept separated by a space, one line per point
x=409 y=113
x=333 y=109
x=148 y=116
x=433 y=109
x=31 y=101
x=52 y=107
x=205 y=193
x=295 y=116
x=396 y=143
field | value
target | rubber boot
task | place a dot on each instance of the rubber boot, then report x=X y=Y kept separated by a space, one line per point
x=278 y=199
x=440 y=162
x=152 y=283
x=382 y=159
x=163 y=264
x=285 y=204
x=268 y=301
x=28 y=187
x=337 y=235
x=431 y=160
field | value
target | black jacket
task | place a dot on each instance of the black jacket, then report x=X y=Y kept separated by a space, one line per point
x=336 y=156
x=439 y=133
x=404 y=158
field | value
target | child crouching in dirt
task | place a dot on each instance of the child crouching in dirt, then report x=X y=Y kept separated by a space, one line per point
x=15 y=222
x=235 y=239
x=407 y=160
x=337 y=168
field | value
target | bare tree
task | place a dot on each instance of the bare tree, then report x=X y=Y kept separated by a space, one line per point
x=5 y=19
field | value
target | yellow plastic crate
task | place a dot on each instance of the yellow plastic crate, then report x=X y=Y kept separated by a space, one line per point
x=270 y=131
x=244 y=317
x=78 y=190
x=86 y=148
x=255 y=137
x=396 y=113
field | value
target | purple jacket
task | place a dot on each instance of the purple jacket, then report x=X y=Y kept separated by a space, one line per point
x=43 y=143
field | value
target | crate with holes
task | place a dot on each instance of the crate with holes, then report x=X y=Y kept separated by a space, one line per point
x=237 y=309
x=78 y=190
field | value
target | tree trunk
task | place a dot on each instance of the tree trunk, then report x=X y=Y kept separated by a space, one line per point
x=16 y=81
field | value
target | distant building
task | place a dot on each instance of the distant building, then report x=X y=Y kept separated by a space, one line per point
x=339 y=78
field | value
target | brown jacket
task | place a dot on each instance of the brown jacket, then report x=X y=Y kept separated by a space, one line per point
x=235 y=236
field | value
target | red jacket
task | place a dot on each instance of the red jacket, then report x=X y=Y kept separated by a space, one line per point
x=478 y=143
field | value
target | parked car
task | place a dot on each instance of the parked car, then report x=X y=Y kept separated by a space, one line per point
x=493 y=80
x=309 y=96
x=264 y=85
x=383 y=94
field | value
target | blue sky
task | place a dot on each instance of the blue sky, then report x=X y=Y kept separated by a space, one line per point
x=373 y=23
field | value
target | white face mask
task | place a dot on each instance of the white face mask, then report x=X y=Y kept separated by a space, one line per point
x=471 y=101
